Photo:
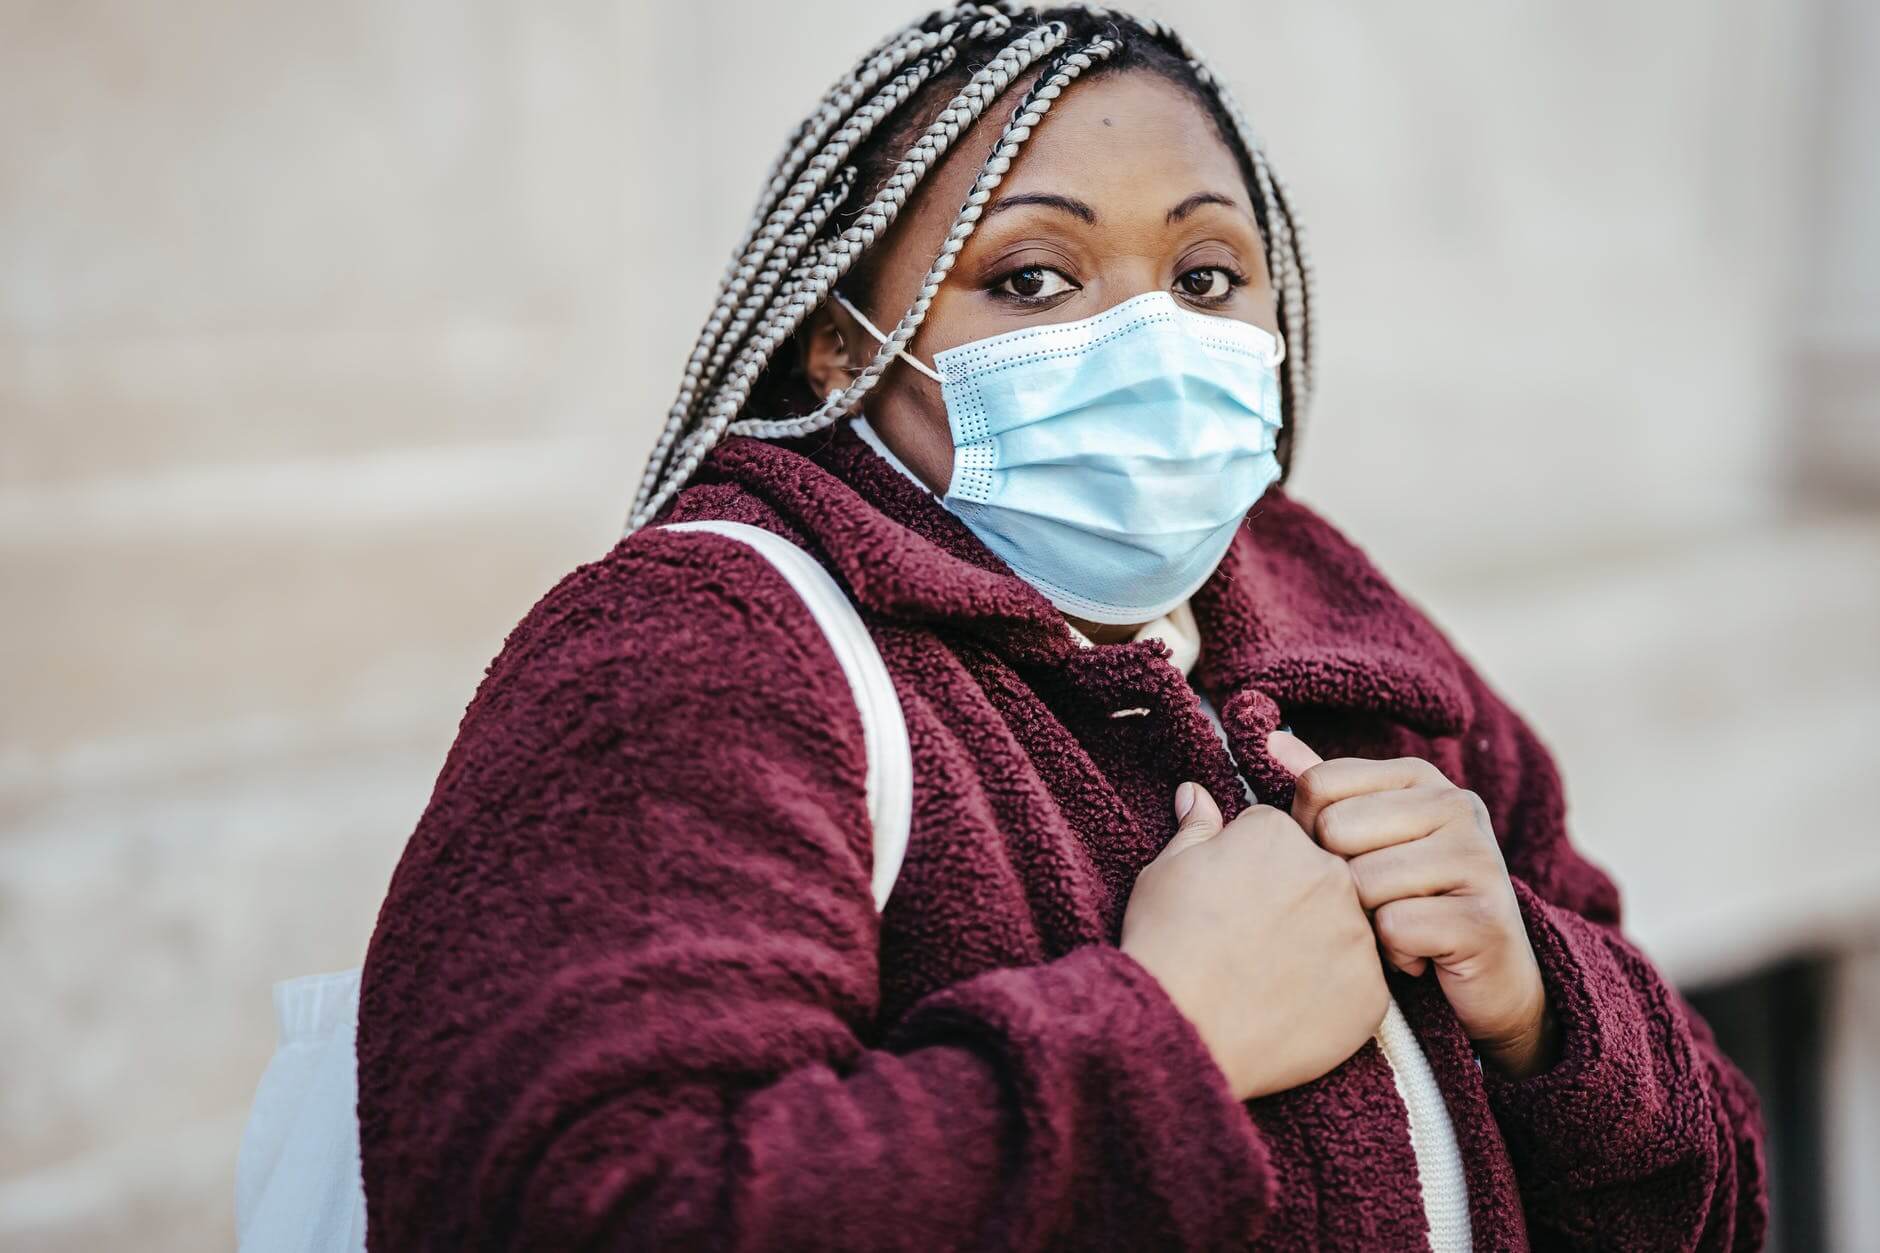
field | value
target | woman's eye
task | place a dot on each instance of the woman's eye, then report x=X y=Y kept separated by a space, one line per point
x=1208 y=282
x=1034 y=282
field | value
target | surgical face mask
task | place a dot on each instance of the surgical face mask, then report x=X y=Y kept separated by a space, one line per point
x=1109 y=461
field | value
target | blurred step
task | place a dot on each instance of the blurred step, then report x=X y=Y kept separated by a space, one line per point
x=269 y=609
x=171 y=1191
x=254 y=397
x=176 y=906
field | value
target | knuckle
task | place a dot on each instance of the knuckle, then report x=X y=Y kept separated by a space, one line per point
x=1395 y=925
x=1190 y=827
x=1454 y=840
x=1465 y=866
x=1232 y=844
x=1238 y=832
x=1249 y=818
x=1359 y=877
x=1334 y=828
x=1480 y=914
x=1239 y=851
x=1486 y=856
x=1267 y=822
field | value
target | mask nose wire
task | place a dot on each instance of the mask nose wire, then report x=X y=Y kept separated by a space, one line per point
x=872 y=329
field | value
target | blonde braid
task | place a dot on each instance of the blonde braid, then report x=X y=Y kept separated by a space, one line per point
x=1025 y=118
x=894 y=53
x=817 y=280
x=808 y=224
x=1287 y=265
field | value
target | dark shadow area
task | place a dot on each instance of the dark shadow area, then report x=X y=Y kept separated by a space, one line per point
x=1771 y=1023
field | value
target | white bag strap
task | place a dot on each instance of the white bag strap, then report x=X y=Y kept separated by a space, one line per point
x=884 y=729
x=297 y=1184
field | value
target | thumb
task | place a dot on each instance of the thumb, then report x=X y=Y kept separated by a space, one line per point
x=1292 y=752
x=1201 y=822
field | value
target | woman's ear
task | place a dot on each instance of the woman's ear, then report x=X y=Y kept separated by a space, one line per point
x=826 y=361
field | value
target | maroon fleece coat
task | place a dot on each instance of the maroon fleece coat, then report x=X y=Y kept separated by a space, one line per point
x=628 y=988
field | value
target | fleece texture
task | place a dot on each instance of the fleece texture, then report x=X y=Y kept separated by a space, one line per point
x=628 y=989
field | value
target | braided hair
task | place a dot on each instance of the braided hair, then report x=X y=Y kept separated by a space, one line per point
x=847 y=172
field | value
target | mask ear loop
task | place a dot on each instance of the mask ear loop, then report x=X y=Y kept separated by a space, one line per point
x=872 y=329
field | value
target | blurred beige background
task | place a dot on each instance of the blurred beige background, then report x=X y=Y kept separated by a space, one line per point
x=331 y=335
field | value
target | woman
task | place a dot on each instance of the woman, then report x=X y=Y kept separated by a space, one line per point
x=629 y=988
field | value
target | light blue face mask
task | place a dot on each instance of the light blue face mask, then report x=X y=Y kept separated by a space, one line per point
x=1109 y=461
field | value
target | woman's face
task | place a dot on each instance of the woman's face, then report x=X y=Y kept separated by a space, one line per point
x=1125 y=188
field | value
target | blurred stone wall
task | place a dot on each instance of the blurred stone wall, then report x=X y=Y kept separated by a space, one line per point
x=331 y=335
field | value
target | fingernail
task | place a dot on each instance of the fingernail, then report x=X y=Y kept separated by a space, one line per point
x=1184 y=800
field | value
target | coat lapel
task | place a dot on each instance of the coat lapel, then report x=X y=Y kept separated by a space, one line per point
x=1297 y=620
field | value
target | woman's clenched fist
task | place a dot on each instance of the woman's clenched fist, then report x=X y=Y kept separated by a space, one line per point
x=1258 y=937
x=1424 y=861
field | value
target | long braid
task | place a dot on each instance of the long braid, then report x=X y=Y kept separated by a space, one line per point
x=1025 y=118
x=985 y=86
x=831 y=264
x=792 y=255
x=893 y=53
x=789 y=217
x=780 y=268
x=811 y=132
x=936 y=32
x=1302 y=261
x=991 y=80
x=1289 y=271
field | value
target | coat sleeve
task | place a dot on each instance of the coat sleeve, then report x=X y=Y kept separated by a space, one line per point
x=1642 y=1135
x=623 y=990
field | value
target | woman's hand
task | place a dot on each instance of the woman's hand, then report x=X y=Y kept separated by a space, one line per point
x=1426 y=863
x=1257 y=935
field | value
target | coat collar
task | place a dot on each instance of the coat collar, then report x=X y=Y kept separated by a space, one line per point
x=1294 y=610
x=1298 y=611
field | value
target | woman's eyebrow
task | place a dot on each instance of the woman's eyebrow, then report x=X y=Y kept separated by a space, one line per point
x=1076 y=208
x=1195 y=201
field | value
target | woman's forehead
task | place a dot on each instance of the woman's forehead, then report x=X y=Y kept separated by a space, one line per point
x=1128 y=131
x=1124 y=142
